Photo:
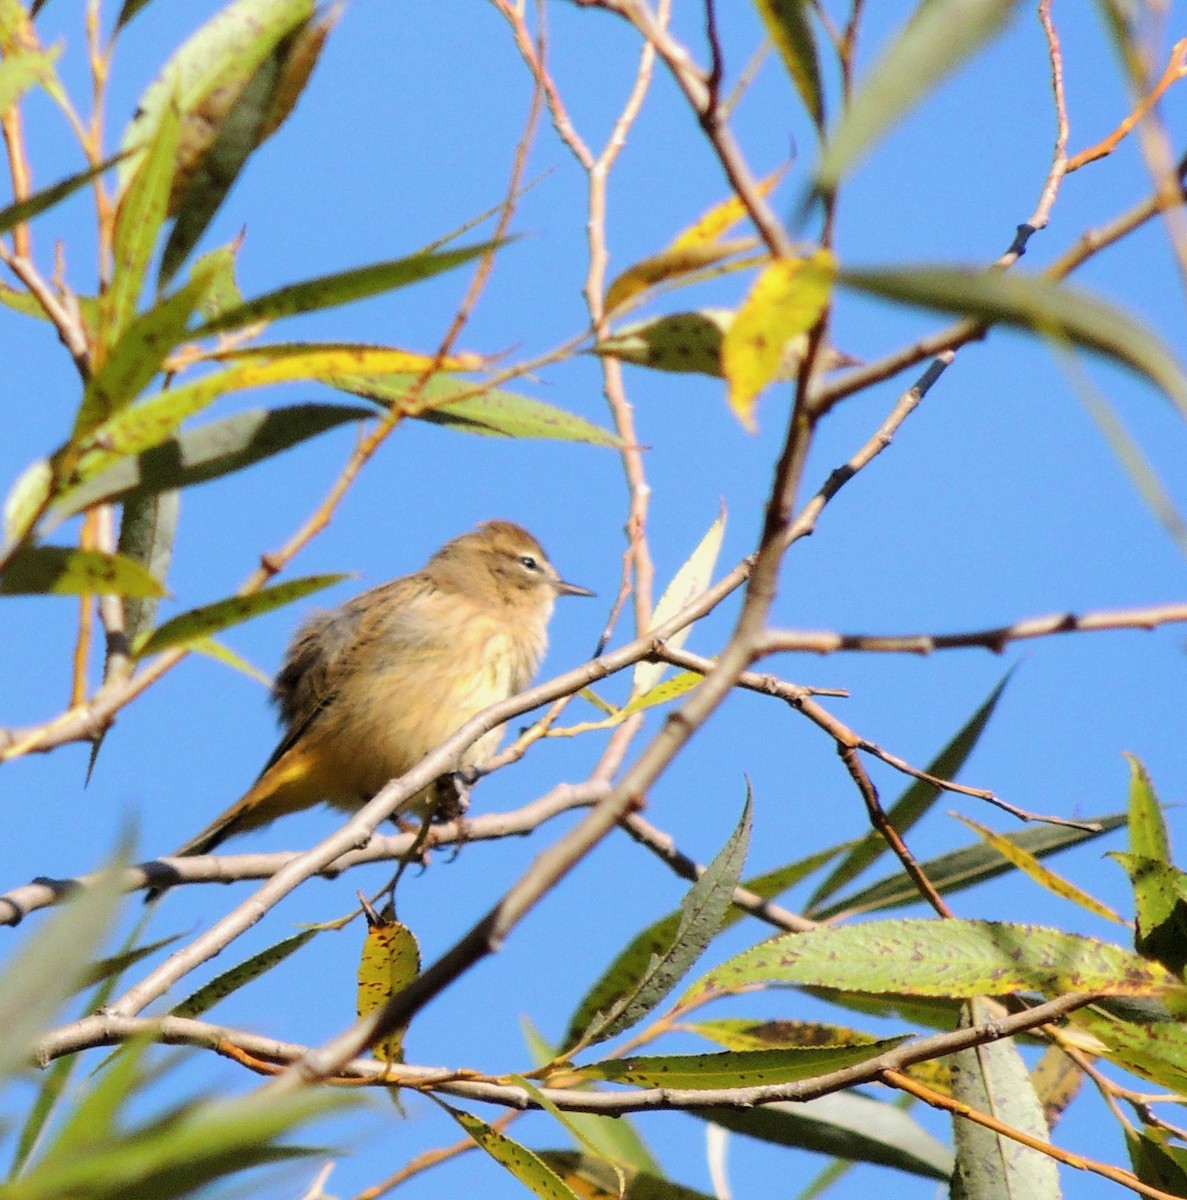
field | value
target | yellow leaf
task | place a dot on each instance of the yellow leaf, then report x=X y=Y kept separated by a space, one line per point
x=722 y=217
x=391 y=961
x=670 y=264
x=787 y=298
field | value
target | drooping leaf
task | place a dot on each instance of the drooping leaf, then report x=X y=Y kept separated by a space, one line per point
x=199 y=623
x=701 y=916
x=787 y=299
x=789 y=28
x=64 y=570
x=328 y=291
x=225 y=655
x=993 y=1079
x=1039 y=305
x=209 y=451
x=940 y=35
x=845 y=1125
x=923 y=957
x=691 y=579
x=389 y=963
x=915 y=802
x=240 y=975
x=964 y=868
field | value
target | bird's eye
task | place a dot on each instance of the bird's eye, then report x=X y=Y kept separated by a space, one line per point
x=529 y=563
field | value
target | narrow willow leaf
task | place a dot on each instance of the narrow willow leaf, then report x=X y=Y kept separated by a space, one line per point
x=471 y=407
x=199 y=623
x=940 y=35
x=662 y=693
x=739 y=1033
x=148 y=530
x=139 y=215
x=26 y=501
x=789 y=28
x=207 y=74
x=390 y=962
x=1155 y=1161
x=26 y=210
x=787 y=299
x=915 y=802
x=672 y=263
x=128 y=10
x=222 y=291
x=701 y=916
x=22 y=70
x=721 y=218
x=333 y=362
x=923 y=957
x=228 y=657
x=736 y=1068
x=687 y=342
x=1155 y=1050
x=1044 y=877
x=1160 y=893
x=1039 y=305
x=846 y=1125
x=63 y=570
x=595 y=1179
x=693 y=577
x=522 y=1163
x=343 y=287
x=209 y=451
x=230 y=981
x=1148 y=837
x=964 y=868
x=631 y=964
x=993 y=1079
x=930 y=1012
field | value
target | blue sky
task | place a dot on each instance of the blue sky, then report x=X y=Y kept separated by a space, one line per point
x=998 y=500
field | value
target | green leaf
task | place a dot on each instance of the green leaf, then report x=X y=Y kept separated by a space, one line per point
x=218 y=266
x=62 y=570
x=595 y=1179
x=789 y=28
x=1155 y=1161
x=522 y=1163
x=26 y=210
x=20 y=71
x=693 y=577
x=701 y=916
x=965 y=868
x=26 y=501
x=1036 y=304
x=993 y=1079
x=200 y=623
x=846 y=1125
x=228 y=657
x=914 y=803
x=736 y=1068
x=148 y=531
x=328 y=291
x=209 y=451
x=661 y=693
x=239 y=976
x=628 y=968
x=139 y=216
x=940 y=35
x=1148 y=837
x=1155 y=1049
x=1160 y=893
x=740 y=1033
x=924 y=957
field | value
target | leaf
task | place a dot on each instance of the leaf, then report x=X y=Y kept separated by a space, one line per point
x=1155 y=1161
x=1148 y=837
x=736 y=1068
x=721 y=218
x=222 y=292
x=662 y=693
x=483 y=410
x=1155 y=1050
x=228 y=657
x=672 y=263
x=940 y=35
x=26 y=501
x=148 y=531
x=522 y=1163
x=693 y=577
x=328 y=291
x=26 y=210
x=688 y=342
x=594 y=1179
x=389 y=963
x=1031 y=867
x=787 y=299
x=790 y=30
x=1036 y=304
x=21 y=71
x=139 y=215
x=847 y=1125
x=240 y=975
x=199 y=623
x=631 y=964
x=63 y=570
x=964 y=868
x=1160 y=891
x=915 y=802
x=333 y=362
x=209 y=451
x=922 y=957
x=701 y=915
x=992 y=1079
x=740 y=1033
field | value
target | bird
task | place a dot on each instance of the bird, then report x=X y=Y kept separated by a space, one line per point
x=368 y=689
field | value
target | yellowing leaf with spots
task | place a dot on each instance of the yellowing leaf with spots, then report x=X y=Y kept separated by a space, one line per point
x=787 y=298
x=391 y=961
x=670 y=264
x=721 y=218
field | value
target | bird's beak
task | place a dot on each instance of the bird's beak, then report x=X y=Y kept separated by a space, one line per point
x=571 y=589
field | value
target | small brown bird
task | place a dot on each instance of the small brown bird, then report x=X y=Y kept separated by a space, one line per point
x=368 y=689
